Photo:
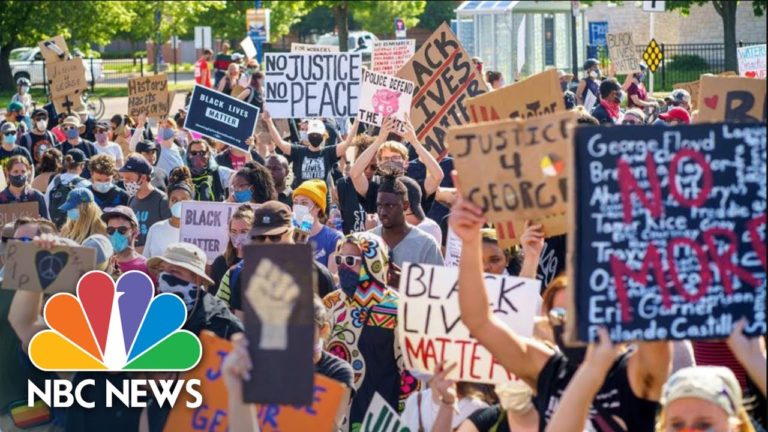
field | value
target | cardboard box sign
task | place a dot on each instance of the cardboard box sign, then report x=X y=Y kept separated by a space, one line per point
x=445 y=78
x=31 y=268
x=524 y=171
x=11 y=212
x=430 y=327
x=669 y=225
x=149 y=95
x=736 y=100
x=624 y=57
x=390 y=55
x=534 y=96
x=66 y=78
x=54 y=49
x=327 y=399
x=384 y=96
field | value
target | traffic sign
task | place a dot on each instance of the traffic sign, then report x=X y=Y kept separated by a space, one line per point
x=653 y=55
x=654 y=5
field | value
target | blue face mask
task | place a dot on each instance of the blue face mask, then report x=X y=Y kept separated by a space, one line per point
x=73 y=133
x=73 y=214
x=348 y=280
x=10 y=139
x=119 y=241
x=176 y=210
x=243 y=196
x=165 y=133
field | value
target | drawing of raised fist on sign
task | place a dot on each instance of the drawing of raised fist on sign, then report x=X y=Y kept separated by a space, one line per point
x=272 y=293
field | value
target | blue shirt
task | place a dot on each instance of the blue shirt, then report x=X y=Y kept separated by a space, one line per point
x=324 y=244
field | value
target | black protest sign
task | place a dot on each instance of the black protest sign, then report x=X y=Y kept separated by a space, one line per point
x=221 y=117
x=304 y=85
x=31 y=268
x=445 y=77
x=670 y=231
x=277 y=288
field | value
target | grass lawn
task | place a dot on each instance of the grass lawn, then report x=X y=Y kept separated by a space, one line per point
x=105 y=92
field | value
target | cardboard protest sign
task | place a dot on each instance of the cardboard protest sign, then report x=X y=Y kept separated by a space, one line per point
x=515 y=171
x=12 y=212
x=624 y=57
x=206 y=225
x=248 y=48
x=384 y=96
x=68 y=104
x=149 y=95
x=534 y=96
x=277 y=287
x=430 y=327
x=327 y=399
x=752 y=61
x=313 y=85
x=390 y=55
x=213 y=413
x=669 y=236
x=66 y=77
x=445 y=77
x=733 y=100
x=311 y=48
x=692 y=87
x=380 y=417
x=31 y=268
x=221 y=117
x=54 y=49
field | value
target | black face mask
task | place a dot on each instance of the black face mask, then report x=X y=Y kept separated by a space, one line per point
x=315 y=140
x=575 y=355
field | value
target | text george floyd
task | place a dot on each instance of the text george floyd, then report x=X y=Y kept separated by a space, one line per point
x=134 y=393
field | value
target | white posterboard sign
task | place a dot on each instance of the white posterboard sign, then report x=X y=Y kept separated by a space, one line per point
x=381 y=417
x=310 y=85
x=390 y=55
x=430 y=327
x=248 y=48
x=309 y=48
x=206 y=225
x=203 y=37
x=752 y=61
x=384 y=96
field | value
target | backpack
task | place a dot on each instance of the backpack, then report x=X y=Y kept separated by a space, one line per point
x=58 y=196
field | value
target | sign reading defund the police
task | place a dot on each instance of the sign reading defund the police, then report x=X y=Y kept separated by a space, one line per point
x=384 y=96
x=430 y=327
x=221 y=117
x=669 y=231
x=206 y=225
x=313 y=84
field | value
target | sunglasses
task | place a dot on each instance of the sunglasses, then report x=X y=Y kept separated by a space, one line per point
x=348 y=260
x=10 y=133
x=274 y=238
x=66 y=128
x=122 y=230
x=198 y=153
x=21 y=239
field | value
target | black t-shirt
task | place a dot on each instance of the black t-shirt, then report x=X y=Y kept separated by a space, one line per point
x=36 y=144
x=112 y=198
x=485 y=419
x=16 y=151
x=86 y=147
x=308 y=165
x=352 y=211
x=218 y=270
x=615 y=403
x=117 y=418
x=335 y=369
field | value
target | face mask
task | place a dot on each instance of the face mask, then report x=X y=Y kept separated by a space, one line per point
x=119 y=241
x=198 y=163
x=302 y=136
x=593 y=74
x=73 y=133
x=641 y=77
x=315 y=140
x=73 y=214
x=239 y=240
x=575 y=355
x=101 y=137
x=187 y=292
x=24 y=89
x=176 y=210
x=18 y=180
x=10 y=139
x=620 y=97
x=348 y=280
x=41 y=124
x=102 y=187
x=514 y=396
x=243 y=196
x=166 y=133
x=131 y=188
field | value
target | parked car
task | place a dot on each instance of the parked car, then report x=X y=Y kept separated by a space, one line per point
x=357 y=41
x=28 y=63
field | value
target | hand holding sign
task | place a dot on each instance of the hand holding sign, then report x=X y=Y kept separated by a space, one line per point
x=272 y=293
x=237 y=365
x=466 y=218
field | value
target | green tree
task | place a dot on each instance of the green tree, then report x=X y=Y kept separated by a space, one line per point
x=727 y=11
x=437 y=12
x=178 y=18
x=25 y=23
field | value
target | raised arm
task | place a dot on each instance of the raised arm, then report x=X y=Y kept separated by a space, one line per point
x=648 y=369
x=341 y=149
x=750 y=352
x=24 y=316
x=573 y=411
x=445 y=390
x=357 y=171
x=138 y=133
x=532 y=242
x=236 y=369
x=521 y=356
x=274 y=134
x=434 y=172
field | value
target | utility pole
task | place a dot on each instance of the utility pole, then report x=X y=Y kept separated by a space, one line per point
x=259 y=43
x=158 y=41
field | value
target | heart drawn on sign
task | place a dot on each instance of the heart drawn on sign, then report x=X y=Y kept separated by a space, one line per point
x=711 y=102
x=751 y=74
x=49 y=265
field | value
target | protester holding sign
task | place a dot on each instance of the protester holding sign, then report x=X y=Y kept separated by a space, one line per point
x=353 y=214
x=168 y=231
x=253 y=93
x=364 y=317
x=18 y=173
x=637 y=95
x=628 y=395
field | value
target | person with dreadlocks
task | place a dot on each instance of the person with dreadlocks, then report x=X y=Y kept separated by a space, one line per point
x=364 y=319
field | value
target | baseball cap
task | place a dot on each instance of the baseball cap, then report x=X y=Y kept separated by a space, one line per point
x=15 y=106
x=146 y=146
x=8 y=127
x=120 y=211
x=137 y=164
x=676 y=113
x=236 y=57
x=315 y=126
x=73 y=121
x=271 y=218
x=103 y=246
x=39 y=113
x=715 y=384
x=76 y=197
x=78 y=155
x=185 y=255
x=680 y=96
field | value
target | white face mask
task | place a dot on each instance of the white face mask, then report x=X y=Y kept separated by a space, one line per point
x=41 y=124
x=131 y=188
x=515 y=396
x=188 y=292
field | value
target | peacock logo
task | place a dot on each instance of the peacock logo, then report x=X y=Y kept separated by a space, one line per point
x=108 y=328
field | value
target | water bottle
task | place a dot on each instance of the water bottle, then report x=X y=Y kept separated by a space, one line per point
x=335 y=218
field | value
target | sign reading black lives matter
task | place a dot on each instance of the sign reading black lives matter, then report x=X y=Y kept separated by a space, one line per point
x=221 y=117
x=670 y=238
x=313 y=84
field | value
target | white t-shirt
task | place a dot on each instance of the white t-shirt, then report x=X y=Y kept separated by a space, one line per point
x=159 y=236
x=112 y=149
x=429 y=409
x=432 y=228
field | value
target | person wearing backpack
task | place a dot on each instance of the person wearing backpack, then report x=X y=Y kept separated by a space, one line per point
x=39 y=139
x=72 y=128
x=63 y=184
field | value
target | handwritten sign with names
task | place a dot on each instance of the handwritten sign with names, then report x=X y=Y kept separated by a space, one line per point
x=390 y=55
x=752 y=61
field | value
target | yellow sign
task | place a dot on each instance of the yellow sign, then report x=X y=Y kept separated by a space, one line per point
x=653 y=55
